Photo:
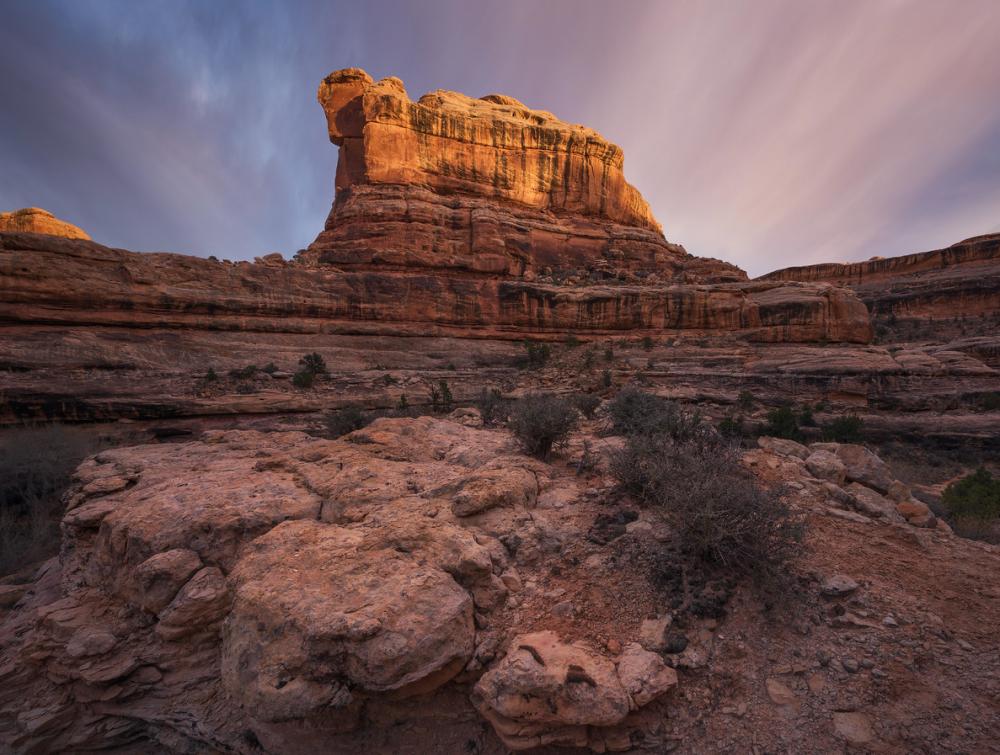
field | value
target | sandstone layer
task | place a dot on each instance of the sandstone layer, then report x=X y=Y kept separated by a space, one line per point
x=37 y=220
x=960 y=281
x=47 y=280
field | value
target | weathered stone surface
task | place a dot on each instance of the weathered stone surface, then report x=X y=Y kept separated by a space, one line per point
x=861 y=465
x=783 y=447
x=871 y=503
x=549 y=692
x=826 y=466
x=320 y=609
x=160 y=577
x=494 y=487
x=960 y=280
x=37 y=220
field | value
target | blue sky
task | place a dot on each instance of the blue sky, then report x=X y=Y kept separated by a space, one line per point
x=766 y=132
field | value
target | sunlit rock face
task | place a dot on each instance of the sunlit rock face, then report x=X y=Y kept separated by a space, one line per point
x=37 y=220
x=487 y=185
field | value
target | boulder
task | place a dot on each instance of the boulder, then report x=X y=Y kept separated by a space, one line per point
x=916 y=513
x=494 y=487
x=827 y=466
x=200 y=604
x=861 y=465
x=871 y=503
x=547 y=692
x=329 y=609
x=783 y=447
x=157 y=580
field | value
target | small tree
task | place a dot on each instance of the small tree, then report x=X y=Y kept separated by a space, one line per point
x=846 y=429
x=210 y=376
x=303 y=379
x=313 y=363
x=783 y=422
x=606 y=378
x=586 y=403
x=537 y=354
x=492 y=406
x=542 y=422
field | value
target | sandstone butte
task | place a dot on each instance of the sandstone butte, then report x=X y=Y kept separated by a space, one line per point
x=37 y=220
x=453 y=216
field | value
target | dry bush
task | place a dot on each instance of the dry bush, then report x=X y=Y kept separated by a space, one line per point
x=718 y=511
x=542 y=422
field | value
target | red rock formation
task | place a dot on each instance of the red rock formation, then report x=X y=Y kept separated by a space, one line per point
x=83 y=283
x=487 y=186
x=960 y=280
x=37 y=220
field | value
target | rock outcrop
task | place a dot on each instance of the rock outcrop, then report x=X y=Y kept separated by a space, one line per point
x=37 y=220
x=962 y=280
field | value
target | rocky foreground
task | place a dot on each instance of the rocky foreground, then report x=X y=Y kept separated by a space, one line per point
x=420 y=586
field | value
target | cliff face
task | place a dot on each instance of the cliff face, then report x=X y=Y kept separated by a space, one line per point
x=959 y=281
x=486 y=185
x=75 y=282
x=37 y=220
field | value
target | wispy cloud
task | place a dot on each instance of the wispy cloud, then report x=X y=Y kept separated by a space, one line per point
x=771 y=132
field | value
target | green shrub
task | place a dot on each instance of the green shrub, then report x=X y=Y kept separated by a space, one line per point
x=976 y=496
x=313 y=363
x=745 y=400
x=244 y=373
x=647 y=343
x=492 y=407
x=537 y=354
x=845 y=429
x=541 y=422
x=586 y=403
x=783 y=422
x=347 y=420
x=270 y=368
x=303 y=379
x=806 y=417
x=210 y=376
x=609 y=353
x=402 y=405
x=442 y=401
x=606 y=378
x=572 y=341
x=731 y=426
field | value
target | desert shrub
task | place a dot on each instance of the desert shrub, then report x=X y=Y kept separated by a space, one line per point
x=745 y=400
x=211 y=376
x=731 y=426
x=717 y=510
x=806 y=418
x=976 y=496
x=572 y=341
x=442 y=401
x=402 y=406
x=536 y=354
x=782 y=422
x=635 y=412
x=492 y=406
x=303 y=379
x=588 y=358
x=342 y=421
x=606 y=378
x=609 y=353
x=586 y=403
x=244 y=373
x=313 y=363
x=647 y=343
x=35 y=468
x=845 y=429
x=270 y=368
x=541 y=422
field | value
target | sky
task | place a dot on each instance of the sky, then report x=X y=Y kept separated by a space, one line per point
x=768 y=133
